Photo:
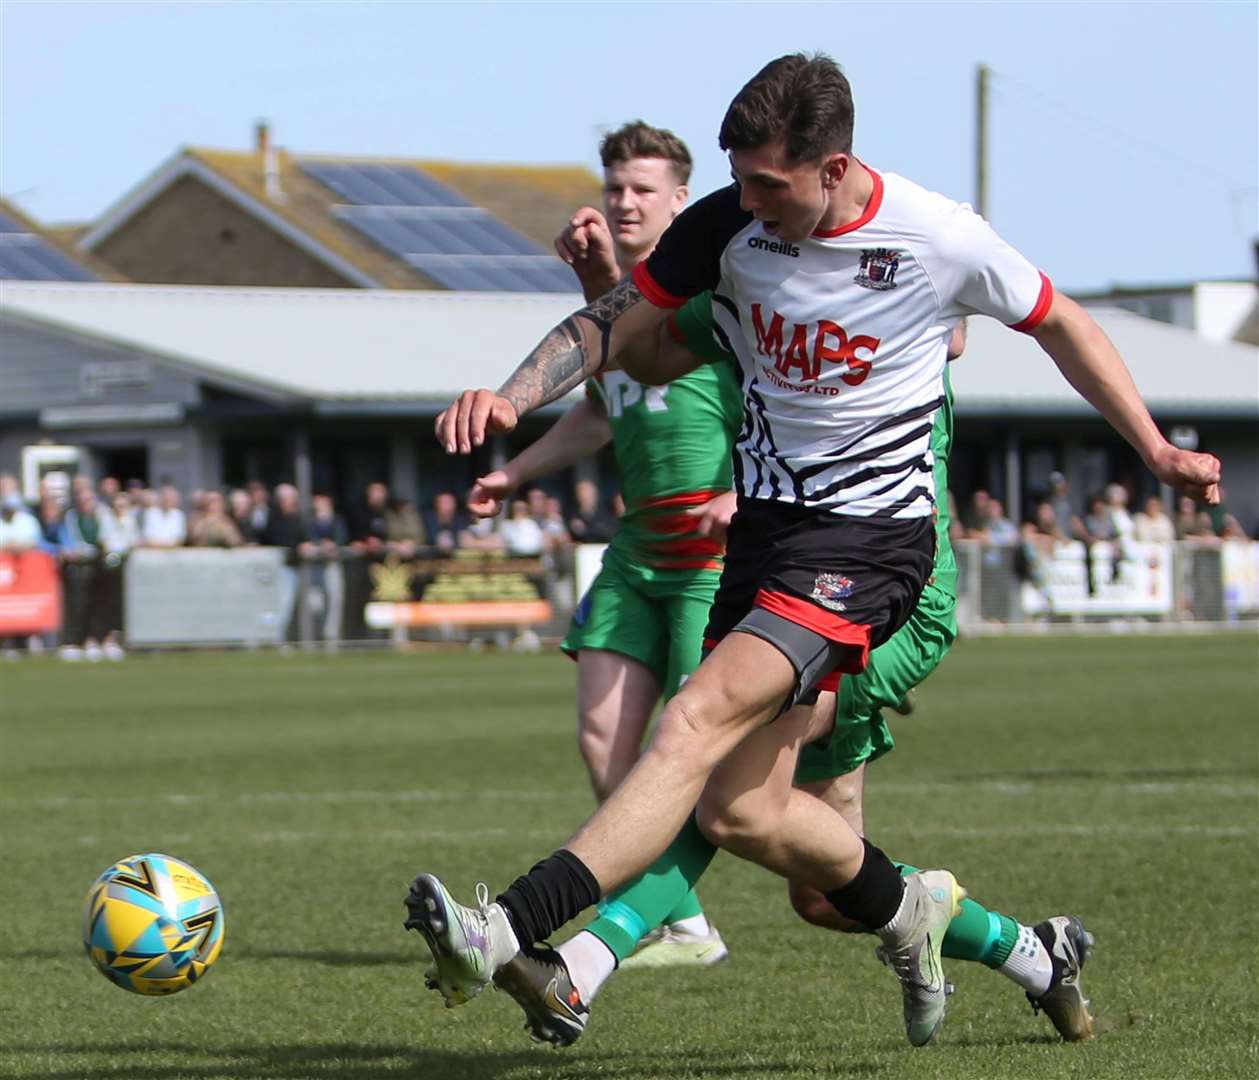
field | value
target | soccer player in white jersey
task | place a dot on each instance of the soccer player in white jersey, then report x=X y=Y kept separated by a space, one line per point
x=838 y=289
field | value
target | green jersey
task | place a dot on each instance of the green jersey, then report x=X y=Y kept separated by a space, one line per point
x=672 y=446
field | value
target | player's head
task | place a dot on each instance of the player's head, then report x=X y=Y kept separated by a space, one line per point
x=645 y=173
x=789 y=136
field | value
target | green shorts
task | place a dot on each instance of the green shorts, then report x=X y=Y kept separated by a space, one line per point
x=895 y=668
x=656 y=619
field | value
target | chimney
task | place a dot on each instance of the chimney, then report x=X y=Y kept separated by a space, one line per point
x=270 y=161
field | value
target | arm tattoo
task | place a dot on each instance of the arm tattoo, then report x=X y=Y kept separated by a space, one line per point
x=561 y=361
x=606 y=310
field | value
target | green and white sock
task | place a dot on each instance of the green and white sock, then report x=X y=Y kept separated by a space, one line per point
x=1029 y=963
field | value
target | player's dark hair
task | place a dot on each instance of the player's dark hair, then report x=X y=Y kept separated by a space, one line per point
x=803 y=99
x=640 y=140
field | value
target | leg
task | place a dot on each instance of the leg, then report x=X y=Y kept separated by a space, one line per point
x=615 y=697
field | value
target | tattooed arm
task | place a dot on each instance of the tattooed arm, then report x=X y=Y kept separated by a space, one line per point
x=582 y=345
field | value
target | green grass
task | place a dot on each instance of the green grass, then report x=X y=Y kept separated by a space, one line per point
x=1114 y=778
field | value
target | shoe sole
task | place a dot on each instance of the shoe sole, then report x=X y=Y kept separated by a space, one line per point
x=1077 y=1025
x=427 y=907
x=541 y=1023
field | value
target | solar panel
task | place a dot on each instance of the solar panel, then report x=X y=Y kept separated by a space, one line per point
x=481 y=273
x=436 y=230
x=27 y=257
x=382 y=185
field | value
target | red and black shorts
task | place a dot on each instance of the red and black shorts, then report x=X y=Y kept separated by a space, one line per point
x=823 y=588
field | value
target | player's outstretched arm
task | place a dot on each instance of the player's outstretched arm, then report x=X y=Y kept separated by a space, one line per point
x=657 y=357
x=580 y=432
x=1085 y=355
x=583 y=344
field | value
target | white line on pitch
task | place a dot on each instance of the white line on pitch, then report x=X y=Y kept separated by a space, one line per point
x=996 y=787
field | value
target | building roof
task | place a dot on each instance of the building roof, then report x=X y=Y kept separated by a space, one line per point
x=533 y=200
x=33 y=252
x=420 y=347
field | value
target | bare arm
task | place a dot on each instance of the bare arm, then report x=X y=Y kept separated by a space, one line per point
x=656 y=357
x=580 y=432
x=1091 y=364
x=583 y=344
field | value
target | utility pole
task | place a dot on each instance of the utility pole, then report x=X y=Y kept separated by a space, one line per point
x=981 y=139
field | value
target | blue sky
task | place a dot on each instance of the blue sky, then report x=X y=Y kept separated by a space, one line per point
x=1124 y=136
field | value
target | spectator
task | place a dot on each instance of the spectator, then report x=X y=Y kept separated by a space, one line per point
x=215 y=527
x=369 y=524
x=109 y=487
x=259 y=508
x=1117 y=507
x=521 y=535
x=1185 y=522
x=19 y=528
x=120 y=533
x=591 y=524
x=1060 y=501
x=52 y=524
x=240 y=510
x=1203 y=530
x=1097 y=524
x=446 y=523
x=286 y=529
x=164 y=525
x=19 y=532
x=999 y=529
x=1153 y=525
x=79 y=566
x=327 y=534
x=975 y=519
x=536 y=498
x=553 y=526
x=404 y=531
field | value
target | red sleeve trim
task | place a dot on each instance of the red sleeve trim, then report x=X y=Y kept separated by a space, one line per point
x=654 y=294
x=830 y=682
x=1043 y=303
x=814 y=617
x=675 y=331
x=867 y=215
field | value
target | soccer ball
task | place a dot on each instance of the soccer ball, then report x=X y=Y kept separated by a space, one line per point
x=152 y=924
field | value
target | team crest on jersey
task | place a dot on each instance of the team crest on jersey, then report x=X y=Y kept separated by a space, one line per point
x=878 y=269
x=830 y=590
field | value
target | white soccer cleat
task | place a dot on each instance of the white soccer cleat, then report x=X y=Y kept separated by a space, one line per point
x=468 y=944
x=671 y=946
x=914 y=952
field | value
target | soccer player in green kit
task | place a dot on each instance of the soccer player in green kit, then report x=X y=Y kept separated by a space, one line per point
x=638 y=632
x=555 y=987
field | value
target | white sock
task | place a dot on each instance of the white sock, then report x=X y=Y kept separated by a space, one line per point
x=589 y=962
x=1029 y=963
x=504 y=937
x=693 y=925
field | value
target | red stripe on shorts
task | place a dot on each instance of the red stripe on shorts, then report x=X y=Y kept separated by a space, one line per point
x=813 y=617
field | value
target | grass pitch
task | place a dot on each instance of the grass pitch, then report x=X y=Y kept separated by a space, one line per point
x=1113 y=778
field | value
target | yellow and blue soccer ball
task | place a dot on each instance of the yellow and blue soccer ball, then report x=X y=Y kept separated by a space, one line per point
x=152 y=924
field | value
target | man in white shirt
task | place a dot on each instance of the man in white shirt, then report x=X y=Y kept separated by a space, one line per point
x=164 y=525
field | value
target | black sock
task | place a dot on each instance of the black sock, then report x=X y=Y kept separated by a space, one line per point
x=874 y=895
x=555 y=890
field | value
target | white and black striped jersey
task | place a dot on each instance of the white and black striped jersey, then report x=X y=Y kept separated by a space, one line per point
x=842 y=338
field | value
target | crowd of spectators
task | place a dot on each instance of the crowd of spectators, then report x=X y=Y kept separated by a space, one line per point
x=90 y=529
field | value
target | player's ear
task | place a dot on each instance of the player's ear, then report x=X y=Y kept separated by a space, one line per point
x=680 y=194
x=834 y=167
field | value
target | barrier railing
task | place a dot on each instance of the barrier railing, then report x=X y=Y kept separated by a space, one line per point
x=267 y=596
